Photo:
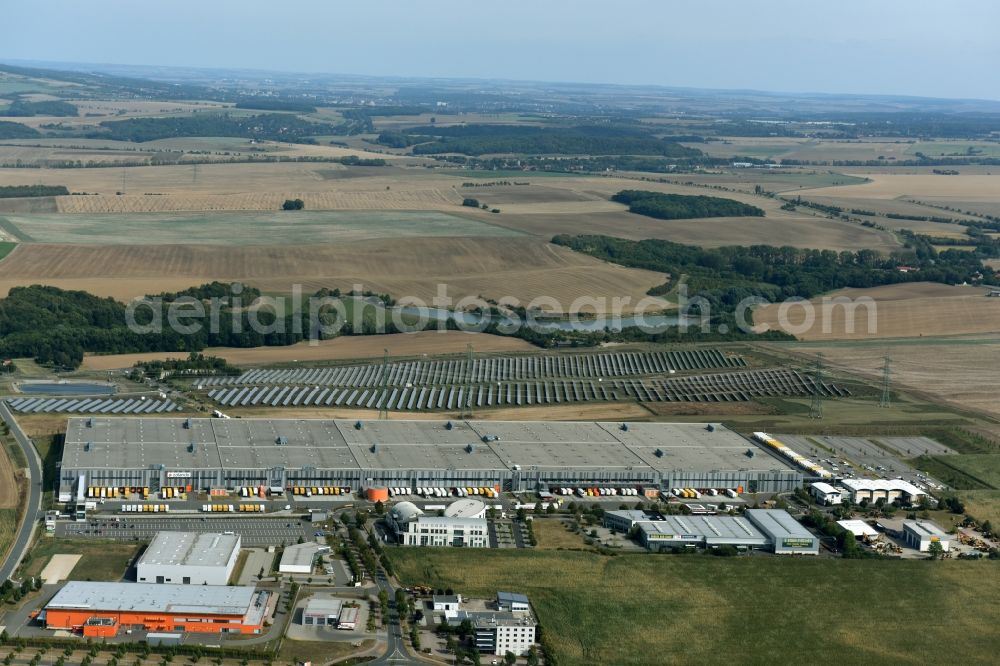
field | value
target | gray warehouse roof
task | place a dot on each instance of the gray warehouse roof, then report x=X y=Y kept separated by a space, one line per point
x=186 y=444
x=778 y=524
x=727 y=529
x=190 y=549
x=299 y=555
x=151 y=598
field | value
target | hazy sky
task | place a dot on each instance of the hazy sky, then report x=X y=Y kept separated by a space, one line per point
x=941 y=48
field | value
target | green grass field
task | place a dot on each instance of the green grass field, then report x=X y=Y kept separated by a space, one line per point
x=101 y=560
x=6 y=248
x=983 y=467
x=244 y=228
x=651 y=609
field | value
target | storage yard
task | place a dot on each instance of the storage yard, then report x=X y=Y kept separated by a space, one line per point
x=227 y=455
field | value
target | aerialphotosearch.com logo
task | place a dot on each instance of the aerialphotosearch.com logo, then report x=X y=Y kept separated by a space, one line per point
x=320 y=317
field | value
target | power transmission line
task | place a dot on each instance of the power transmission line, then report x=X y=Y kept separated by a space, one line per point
x=886 y=399
x=816 y=408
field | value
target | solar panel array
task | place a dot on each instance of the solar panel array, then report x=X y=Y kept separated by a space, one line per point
x=719 y=387
x=102 y=405
x=493 y=369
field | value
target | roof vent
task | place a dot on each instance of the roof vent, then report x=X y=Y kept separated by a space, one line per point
x=86 y=447
x=90 y=423
x=469 y=448
x=187 y=424
x=449 y=425
x=358 y=425
x=750 y=453
x=659 y=453
x=374 y=448
x=192 y=447
x=624 y=427
x=710 y=428
x=281 y=440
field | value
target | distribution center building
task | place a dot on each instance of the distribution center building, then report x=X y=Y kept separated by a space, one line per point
x=189 y=558
x=101 y=609
x=203 y=453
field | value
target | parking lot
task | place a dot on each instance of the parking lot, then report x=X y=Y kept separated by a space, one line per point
x=881 y=456
x=256 y=531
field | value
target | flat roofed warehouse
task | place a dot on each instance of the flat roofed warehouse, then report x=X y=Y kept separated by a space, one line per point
x=195 y=608
x=189 y=558
x=231 y=453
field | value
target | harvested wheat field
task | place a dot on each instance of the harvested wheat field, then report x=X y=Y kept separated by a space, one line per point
x=900 y=311
x=8 y=481
x=522 y=268
x=803 y=231
x=965 y=187
x=960 y=371
x=243 y=228
x=425 y=343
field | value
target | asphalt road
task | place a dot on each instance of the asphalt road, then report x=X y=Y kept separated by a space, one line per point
x=33 y=511
x=395 y=651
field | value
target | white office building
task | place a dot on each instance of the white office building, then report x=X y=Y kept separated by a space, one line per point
x=189 y=558
x=414 y=528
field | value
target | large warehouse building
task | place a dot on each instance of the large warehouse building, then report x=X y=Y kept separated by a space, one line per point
x=102 y=609
x=117 y=452
x=759 y=529
x=189 y=558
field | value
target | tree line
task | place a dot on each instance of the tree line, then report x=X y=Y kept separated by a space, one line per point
x=725 y=276
x=665 y=206
x=581 y=139
x=13 y=191
x=268 y=126
x=23 y=108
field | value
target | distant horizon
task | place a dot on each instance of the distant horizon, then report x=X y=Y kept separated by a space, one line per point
x=913 y=48
x=96 y=66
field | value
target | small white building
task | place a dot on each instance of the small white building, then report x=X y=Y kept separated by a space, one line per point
x=446 y=602
x=920 y=534
x=859 y=528
x=320 y=611
x=189 y=558
x=825 y=493
x=299 y=558
x=512 y=601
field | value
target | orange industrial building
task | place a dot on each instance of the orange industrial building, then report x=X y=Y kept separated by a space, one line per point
x=100 y=610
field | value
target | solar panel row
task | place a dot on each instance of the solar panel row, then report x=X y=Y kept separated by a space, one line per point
x=510 y=368
x=91 y=405
x=721 y=387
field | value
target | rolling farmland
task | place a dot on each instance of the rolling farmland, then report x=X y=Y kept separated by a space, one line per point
x=493 y=267
x=902 y=310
